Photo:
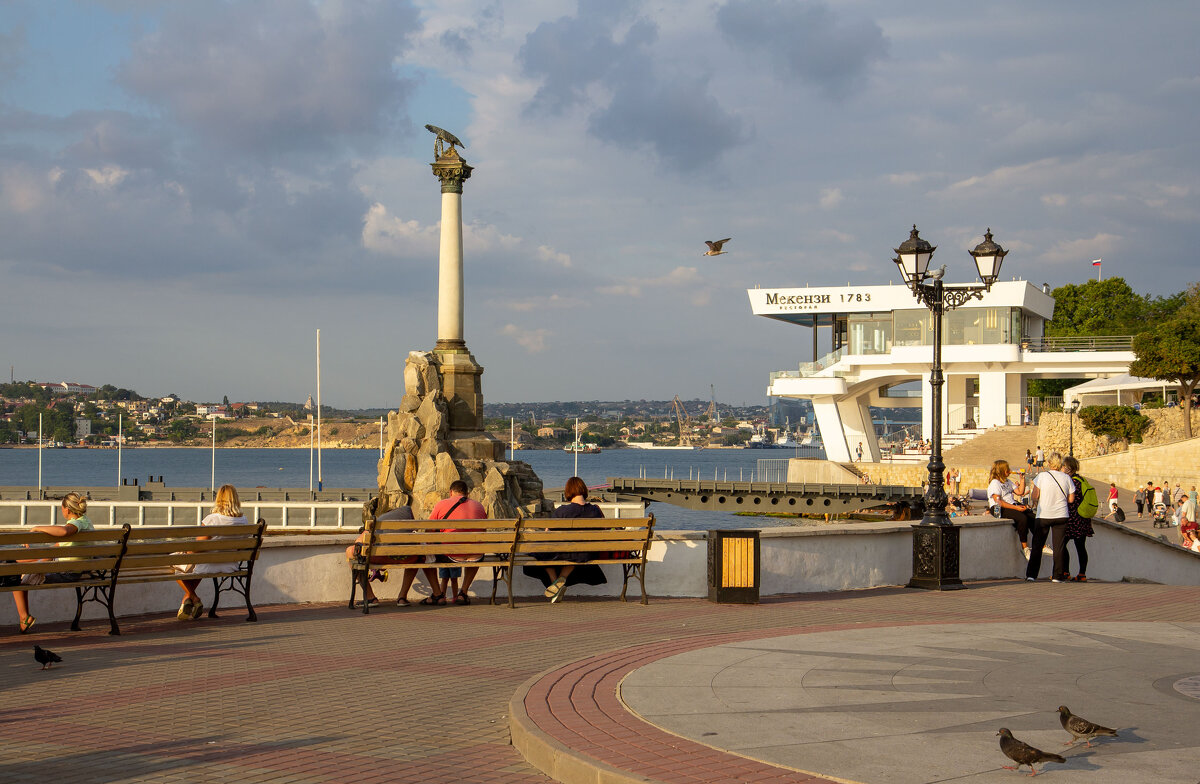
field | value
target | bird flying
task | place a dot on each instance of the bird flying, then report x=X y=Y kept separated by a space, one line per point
x=1080 y=727
x=1022 y=753
x=714 y=247
x=45 y=657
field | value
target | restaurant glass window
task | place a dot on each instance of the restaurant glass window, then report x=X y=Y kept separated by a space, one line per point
x=870 y=333
x=912 y=328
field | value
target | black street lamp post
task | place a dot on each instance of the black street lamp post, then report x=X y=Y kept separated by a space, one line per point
x=1071 y=408
x=935 y=539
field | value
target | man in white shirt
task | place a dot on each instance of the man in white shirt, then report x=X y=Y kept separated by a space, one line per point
x=1052 y=491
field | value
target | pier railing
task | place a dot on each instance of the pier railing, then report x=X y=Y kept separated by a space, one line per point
x=286 y=514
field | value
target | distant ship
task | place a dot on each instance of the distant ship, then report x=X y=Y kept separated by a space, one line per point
x=649 y=445
x=582 y=448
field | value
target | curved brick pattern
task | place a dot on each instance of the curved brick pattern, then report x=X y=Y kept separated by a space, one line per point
x=318 y=694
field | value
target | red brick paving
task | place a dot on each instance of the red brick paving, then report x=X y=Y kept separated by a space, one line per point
x=318 y=693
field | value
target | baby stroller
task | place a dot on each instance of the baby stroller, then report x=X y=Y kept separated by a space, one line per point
x=1160 y=516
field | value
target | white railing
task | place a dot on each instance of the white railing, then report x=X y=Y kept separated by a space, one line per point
x=293 y=514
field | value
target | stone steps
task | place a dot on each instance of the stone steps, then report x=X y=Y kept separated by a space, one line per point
x=999 y=443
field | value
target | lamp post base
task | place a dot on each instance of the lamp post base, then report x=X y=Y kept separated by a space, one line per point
x=935 y=558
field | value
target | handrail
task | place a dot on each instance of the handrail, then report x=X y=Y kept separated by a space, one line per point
x=1079 y=343
x=201 y=508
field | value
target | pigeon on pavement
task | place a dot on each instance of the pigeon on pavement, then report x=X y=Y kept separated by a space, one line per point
x=1080 y=727
x=45 y=657
x=1022 y=753
x=714 y=247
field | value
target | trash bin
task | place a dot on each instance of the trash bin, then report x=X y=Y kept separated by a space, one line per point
x=733 y=567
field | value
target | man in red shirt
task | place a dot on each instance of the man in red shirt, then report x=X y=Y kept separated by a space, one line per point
x=458 y=507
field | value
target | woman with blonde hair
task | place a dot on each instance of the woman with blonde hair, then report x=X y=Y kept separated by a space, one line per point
x=1006 y=496
x=74 y=512
x=226 y=510
x=1052 y=492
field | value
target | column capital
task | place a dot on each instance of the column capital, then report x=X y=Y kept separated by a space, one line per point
x=452 y=171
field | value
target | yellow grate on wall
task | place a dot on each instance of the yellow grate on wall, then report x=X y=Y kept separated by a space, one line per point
x=737 y=563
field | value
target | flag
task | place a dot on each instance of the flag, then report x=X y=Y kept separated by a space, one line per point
x=1095 y=262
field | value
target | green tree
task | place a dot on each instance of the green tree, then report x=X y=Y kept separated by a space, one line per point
x=1170 y=351
x=1097 y=307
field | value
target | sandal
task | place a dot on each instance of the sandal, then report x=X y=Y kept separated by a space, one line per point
x=368 y=602
x=437 y=598
x=553 y=588
x=27 y=623
x=1080 y=578
x=462 y=598
x=185 y=610
x=402 y=602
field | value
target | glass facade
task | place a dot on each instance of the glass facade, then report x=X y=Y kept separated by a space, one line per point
x=870 y=333
x=962 y=327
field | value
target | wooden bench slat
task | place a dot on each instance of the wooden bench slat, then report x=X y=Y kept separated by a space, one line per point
x=142 y=533
x=16 y=539
x=52 y=567
x=446 y=537
x=60 y=553
x=167 y=559
x=193 y=545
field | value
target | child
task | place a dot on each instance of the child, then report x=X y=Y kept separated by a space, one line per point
x=449 y=576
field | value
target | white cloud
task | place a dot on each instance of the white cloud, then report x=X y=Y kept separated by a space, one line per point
x=1082 y=249
x=1054 y=199
x=393 y=236
x=532 y=340
x=107 y=177
x=831 y=197
x=548 y=254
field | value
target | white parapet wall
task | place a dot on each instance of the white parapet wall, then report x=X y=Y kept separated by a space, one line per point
x=804 y=559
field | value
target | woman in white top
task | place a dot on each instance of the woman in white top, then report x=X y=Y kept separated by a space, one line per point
x=1052 y=491
x=1003 y=493
x=226 y=510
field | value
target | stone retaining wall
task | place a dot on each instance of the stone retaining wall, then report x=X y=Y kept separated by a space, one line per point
x=300 y=569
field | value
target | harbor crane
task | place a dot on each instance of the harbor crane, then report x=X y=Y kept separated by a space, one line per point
x=685 y=422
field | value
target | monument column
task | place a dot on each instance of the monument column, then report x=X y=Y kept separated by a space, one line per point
x=452 y=170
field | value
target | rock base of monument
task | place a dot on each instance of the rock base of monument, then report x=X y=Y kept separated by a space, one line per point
x=436 y=437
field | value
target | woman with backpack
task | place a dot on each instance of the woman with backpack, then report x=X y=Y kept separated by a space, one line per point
x=1052 y=491
x=1079 y=520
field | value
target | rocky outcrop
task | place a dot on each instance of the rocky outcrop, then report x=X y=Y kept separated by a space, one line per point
x=421 y=458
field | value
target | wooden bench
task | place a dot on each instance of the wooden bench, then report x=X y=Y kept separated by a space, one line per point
x=388 y=544
x=504 y=545
x=613 y=540
x=98 y=554
x=152 y=553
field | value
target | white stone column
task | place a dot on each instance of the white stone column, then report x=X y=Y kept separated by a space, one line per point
x=452 y=170
x=450 y=272
x=858 y=427
x=993 y=399
x=832 y=434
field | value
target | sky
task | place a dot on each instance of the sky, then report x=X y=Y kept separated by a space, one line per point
x=189 y=191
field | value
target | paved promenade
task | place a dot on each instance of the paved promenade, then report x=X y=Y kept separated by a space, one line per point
x=318 y=693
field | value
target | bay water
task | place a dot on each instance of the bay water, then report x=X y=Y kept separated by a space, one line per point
x=356 y=468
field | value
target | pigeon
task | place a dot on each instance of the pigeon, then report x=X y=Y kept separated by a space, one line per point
x=938 y=273
x=45 y=657
x=1022 y=753
x=714 y=247
x=1080 y=727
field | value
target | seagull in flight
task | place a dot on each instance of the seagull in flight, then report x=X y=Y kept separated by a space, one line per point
x=714 y=247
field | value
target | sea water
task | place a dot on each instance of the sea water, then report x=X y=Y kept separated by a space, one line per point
x=356 y=468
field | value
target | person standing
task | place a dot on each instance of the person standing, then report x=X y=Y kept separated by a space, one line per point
x=457 y=506
x=1078 y=528
x=1178 y=495
x=858 y=453
x=1052 y=491
x=1139 y=498
x=1188 y=527
x=1112 y=494
x=1040 y=458
x=1004 y=494
x=74 y=512
x=1026 y=418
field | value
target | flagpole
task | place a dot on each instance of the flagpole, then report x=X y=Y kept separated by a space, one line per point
x=1097 y=264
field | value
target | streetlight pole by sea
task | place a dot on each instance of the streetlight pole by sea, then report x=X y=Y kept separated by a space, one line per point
x=935 y=539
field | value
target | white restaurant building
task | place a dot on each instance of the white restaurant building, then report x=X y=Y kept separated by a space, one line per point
x=882 y=338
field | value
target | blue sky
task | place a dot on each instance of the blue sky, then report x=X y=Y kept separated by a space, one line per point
x=189 y=190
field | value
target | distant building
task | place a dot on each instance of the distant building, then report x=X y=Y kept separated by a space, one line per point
x=83 y=428
x=68 y=388
x=551 y=432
